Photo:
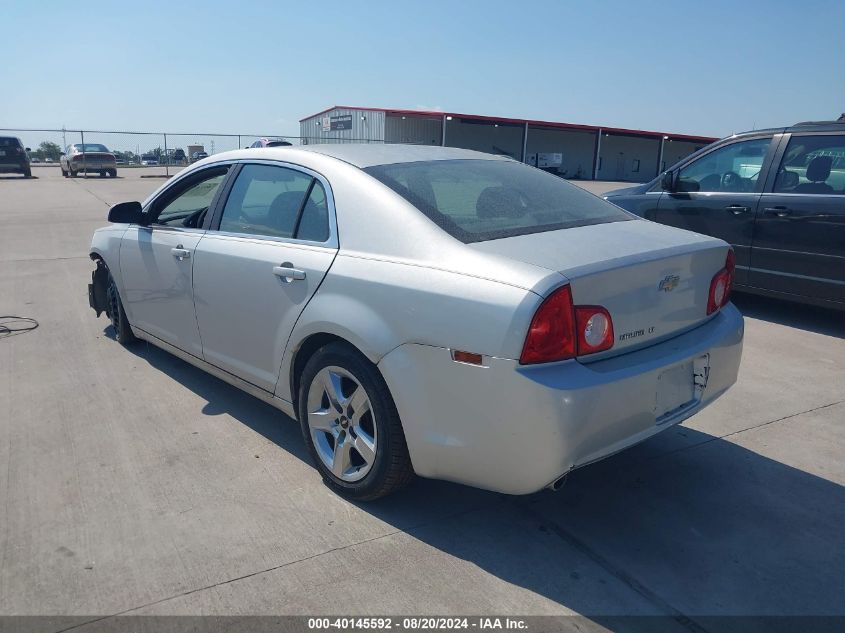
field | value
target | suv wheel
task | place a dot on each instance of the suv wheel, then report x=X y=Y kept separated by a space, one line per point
x=350 y=425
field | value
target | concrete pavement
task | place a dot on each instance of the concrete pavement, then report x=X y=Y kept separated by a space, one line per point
x=131 y=482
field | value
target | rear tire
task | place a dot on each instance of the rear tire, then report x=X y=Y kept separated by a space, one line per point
x=112 y=173
x=27 y=172
x=103 y=174
x=361 y=454
x=71 y=173
x=122 y=330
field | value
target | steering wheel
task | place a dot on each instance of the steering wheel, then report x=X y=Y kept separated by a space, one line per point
x=731 y=181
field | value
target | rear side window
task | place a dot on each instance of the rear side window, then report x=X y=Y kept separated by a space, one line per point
x=277 y=202
x=314 y=223
x=478 y=200
x=265 y=200
x=813 y=165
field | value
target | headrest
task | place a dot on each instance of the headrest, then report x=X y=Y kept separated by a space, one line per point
x=786 y=180
x=286 y=201
x=499 y=202
x=819 y=168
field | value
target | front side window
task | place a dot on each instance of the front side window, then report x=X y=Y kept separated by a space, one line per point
x=266 y=200
x=188 y=205
x=813 y=165
x=477 y=200
x=733 y=168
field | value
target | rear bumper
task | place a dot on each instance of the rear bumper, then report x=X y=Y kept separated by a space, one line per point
x=92 y=165
x=516 y=429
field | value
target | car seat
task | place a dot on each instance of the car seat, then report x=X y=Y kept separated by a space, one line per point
x=282 y=213
x=817 y=172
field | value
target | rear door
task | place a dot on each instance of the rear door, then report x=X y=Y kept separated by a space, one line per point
x=718 y=193
x=255 y=271
x=156 y=260
x=799 y=239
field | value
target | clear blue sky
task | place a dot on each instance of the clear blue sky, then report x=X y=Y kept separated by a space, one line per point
x=246 y=66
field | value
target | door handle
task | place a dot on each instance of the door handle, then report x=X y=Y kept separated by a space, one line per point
x=180 y=253
x=781 y=212
x=737 y=209
x=288 y=273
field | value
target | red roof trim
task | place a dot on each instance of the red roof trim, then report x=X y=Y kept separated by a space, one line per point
x=534 y=122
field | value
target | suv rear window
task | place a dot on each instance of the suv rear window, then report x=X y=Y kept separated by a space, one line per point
x=9 y=141
x=478 y=200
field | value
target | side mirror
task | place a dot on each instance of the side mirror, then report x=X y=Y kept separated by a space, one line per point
x=28 y=149
x=667 y=182
x=61 y=153
x=126 y=213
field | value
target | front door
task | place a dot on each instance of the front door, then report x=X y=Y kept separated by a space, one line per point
x=254 y=273
x=799 y=241
x=156 y=261
x=717 y=194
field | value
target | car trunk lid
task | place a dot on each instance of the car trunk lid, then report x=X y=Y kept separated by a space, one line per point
x=653 y=280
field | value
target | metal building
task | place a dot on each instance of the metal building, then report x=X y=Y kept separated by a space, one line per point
x=570 y=150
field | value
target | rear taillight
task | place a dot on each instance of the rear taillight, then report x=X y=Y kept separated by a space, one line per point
x=595 y=329
x=721 y=284
x=560 y=330
x=551 y=335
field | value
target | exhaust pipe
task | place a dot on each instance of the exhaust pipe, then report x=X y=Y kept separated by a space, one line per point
x=557 y=484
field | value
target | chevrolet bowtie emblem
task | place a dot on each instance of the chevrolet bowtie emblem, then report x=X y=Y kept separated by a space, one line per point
x=669 y=283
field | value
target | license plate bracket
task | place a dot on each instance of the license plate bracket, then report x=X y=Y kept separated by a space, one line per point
x=680 y=388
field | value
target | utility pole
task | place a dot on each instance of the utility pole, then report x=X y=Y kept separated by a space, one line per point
x=64 y=140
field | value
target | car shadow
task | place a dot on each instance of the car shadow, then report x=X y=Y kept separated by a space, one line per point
x=805 y=317
x=686 y=526
x=222 y=398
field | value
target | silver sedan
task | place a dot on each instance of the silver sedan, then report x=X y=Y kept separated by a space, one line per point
x=425 y=310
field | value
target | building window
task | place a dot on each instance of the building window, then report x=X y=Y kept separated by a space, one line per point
x=636 y=167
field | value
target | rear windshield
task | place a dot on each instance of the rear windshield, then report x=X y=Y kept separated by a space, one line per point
x=7 y=141
x=91 y=147
x=478 y=200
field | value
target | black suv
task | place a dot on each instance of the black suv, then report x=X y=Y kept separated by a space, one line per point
x=777 y=195
x=14 y=157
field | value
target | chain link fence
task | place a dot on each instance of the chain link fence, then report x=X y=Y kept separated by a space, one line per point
x=137 y=149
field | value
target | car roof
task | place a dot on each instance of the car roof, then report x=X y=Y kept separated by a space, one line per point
x=367 y=155
x=804 y=126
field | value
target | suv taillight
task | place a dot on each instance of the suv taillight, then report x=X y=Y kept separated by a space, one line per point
x=560 y=330
x=721 y=284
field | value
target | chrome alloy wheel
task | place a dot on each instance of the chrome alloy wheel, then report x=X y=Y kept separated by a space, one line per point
x=342 y=423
